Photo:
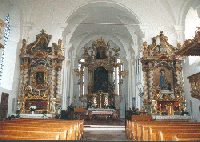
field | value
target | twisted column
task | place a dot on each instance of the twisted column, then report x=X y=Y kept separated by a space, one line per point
x=58 y=82
x=53 y=77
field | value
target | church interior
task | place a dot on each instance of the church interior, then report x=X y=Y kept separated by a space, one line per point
x=100 y=70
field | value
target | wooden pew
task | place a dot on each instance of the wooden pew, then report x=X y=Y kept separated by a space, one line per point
x=166 y=135
x=138 y=126
x=186 y=137
x=40 y=123
x=135 y=118
x=2 y=137
x=63 y=135
x=78 y=128
x=77 y=125
x=70 y=129
x=153 y=131
x=33 y=134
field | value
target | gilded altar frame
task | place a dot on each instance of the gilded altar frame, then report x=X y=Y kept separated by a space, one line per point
x=108 y=61
x=40 y=72
x=161 y=56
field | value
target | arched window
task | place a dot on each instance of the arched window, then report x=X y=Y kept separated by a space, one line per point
x=191 y=22
x=6 y=36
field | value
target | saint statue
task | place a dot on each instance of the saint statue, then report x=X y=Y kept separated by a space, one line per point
x=163 y=85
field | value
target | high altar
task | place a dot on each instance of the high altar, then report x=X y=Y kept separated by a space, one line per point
x=101 y=76
x=40 y=76
x=163 y=81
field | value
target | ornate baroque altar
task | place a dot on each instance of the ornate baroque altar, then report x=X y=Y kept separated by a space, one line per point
x=40 y=76
x=163 y=81
x=101 y=76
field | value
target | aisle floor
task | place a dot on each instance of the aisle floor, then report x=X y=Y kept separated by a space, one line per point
x=104 y=135
x=104 y=130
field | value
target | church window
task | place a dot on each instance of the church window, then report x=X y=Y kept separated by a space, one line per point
x=6 y=36
x=191 y=22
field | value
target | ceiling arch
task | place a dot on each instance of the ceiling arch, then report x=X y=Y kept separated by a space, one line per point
x=111 y=21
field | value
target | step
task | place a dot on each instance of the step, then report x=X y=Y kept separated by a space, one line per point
x=103 y=127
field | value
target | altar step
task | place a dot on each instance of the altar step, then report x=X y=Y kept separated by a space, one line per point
x=103 y=127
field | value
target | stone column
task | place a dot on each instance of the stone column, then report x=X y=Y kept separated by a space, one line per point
x=133 y=84
x=65 y=79
x=72 y=77
x=180 y=33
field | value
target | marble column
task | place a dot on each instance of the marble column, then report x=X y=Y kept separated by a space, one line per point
x=58 y=82
x=116 y=82
x=53 y=78
x=86 y=80
x=145 y=84
x=81 y=81
x=21 y=92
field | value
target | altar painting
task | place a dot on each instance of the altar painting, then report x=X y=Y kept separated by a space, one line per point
x=168 y=78
x=100 y=79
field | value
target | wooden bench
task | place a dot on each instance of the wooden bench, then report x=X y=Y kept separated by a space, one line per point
x=6 y=137
x=152 y=134
x=138 y=131
x=73 y=126
x=166 y=135
x=80 y=122
x=135 y=118
x=71 y=134
x=186 y=137
x=153 y=131
x=33 y=134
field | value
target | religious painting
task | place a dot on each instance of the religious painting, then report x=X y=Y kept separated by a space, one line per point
x=100 y=80
x=101 y=53
x=163 y=78
x=42 y=45
x=40 y=78
x=39 y=103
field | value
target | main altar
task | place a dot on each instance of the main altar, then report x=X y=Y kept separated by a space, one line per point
x=101 y=76
x=163 y=81
x=40 y=72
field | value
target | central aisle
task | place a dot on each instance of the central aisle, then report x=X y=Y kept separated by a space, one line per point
x=104 y=130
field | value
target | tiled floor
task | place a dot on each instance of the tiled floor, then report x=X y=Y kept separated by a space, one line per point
x=118 y=122
x=104 y=130
x=108 y=135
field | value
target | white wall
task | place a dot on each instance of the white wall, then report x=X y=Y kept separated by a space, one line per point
x=11 y=72
x=188 y=70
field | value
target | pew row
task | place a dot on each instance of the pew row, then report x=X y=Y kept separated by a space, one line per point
x=186 y=137
x=67 y=129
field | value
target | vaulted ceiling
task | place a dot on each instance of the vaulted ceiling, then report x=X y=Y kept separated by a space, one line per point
x=83 y=21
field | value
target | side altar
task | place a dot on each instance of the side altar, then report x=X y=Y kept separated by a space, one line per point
x=101 y=76
x=163 y=81
x=40 y=76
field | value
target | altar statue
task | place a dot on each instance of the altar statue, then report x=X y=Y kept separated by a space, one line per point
x=163 y=85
